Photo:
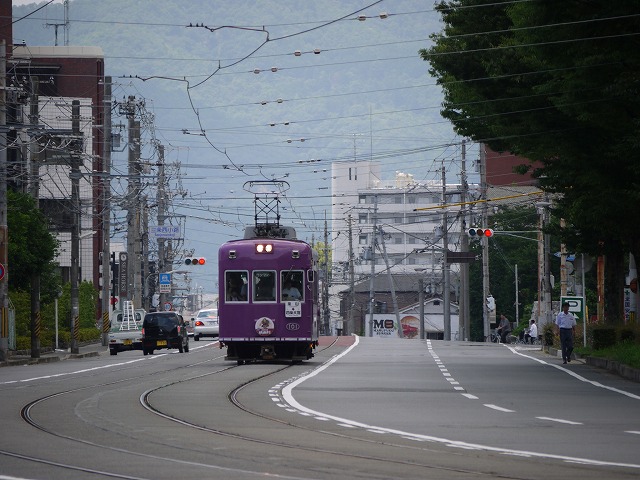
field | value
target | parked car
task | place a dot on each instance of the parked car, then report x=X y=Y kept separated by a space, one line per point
x=205 y=323
x=164 y=330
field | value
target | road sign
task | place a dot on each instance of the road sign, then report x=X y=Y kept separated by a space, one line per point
x=460 y=257
x=167 y=306
x=165 y=231
x=164 y=282
x=2 y=271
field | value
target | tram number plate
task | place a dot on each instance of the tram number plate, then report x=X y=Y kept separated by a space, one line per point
x=161 y=343
x=292 y=309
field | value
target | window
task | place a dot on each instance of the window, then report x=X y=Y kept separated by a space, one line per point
x=362 y=199
x=264 y=286
x=362 y=240
x=236 y=286
x=362 y=218
x=292 y=285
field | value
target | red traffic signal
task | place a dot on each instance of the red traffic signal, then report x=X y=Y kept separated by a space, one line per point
x=195 y=261
x=480 y=232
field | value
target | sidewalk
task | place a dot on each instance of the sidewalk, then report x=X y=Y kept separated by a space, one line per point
x=618 y=368
x=48 y=355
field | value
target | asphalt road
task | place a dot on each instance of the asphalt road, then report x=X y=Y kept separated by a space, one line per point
x=362 y=408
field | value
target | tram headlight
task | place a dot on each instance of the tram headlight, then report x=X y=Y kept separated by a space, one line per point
x=264 y=248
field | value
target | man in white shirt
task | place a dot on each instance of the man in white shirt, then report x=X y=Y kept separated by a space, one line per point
x=566 y=324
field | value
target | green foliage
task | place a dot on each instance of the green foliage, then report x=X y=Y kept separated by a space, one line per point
x=546 y=95
x=88 y=298
x=506 y=251
x=48 y=338
x=603 y=337
x=549 y=334
x=32 y=248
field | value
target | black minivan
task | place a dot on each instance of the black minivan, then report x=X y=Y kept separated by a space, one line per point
x=164 y=330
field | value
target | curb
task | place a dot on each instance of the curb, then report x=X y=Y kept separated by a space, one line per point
x=48 y=357
x=612 y=366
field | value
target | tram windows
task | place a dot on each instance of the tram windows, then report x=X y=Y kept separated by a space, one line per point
x=236 y=284
x=264 y=286
x=291 y=284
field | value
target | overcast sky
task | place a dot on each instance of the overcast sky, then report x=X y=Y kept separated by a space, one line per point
x=25 y=2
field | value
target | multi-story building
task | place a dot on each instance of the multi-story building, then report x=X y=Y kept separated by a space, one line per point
x=65 y=75
x=408 y=245
x=406 y=215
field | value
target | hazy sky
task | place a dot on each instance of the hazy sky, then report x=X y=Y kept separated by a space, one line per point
x=25 y=2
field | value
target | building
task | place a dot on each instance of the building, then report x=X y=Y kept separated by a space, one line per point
x=409 y=224
x=65 y=75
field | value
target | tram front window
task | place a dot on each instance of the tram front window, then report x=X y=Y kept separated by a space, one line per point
x=236 y=283
x=264 y=286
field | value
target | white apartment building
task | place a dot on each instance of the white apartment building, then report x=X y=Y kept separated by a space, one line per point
x=413 y=240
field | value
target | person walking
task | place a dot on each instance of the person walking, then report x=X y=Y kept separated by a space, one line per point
x=566 y=324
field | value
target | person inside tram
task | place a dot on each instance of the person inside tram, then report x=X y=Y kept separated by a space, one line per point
x=289 y=292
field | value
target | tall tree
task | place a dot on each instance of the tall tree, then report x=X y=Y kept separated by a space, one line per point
x=554 y=82
x=32 y=247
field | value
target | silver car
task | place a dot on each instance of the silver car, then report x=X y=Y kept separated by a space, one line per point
x=205 y=324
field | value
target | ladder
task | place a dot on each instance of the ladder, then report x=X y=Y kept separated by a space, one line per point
x=128 y=317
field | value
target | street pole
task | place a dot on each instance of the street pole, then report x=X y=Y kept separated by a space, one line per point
x=446 y=294
x=75 y=230
x=34 y=191
x=464 y=310
x=106 y=212
x=4 y=231
x=374 y=239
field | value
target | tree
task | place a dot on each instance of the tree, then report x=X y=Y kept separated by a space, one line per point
x=32 y=247
x=555 y=82
x=505 y=251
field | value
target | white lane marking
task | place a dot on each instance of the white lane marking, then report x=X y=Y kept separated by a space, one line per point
x=635 y=432
x=287 y=394
x=578 y=377
x=560 y=420
x=469 y=396
x=111 y=365
x=496 y=407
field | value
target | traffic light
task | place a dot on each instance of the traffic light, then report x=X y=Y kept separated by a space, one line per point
x=480 y=232
x=195 y=261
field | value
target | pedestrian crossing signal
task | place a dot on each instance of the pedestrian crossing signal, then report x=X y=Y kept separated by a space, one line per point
x=195 y=261
x=480 y=232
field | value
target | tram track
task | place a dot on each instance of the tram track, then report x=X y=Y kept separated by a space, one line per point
x=233 y=397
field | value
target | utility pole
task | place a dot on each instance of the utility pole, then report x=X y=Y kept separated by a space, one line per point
x=421 y=306
x=75 y=229
x=392 y=287
x=133 y=207
x=352 y=280
x=485 y=242
x=374 y=241
x=446 y=294
x=464 y=313
x=4 y=230
x=34 y=191
x=325 y=283
x=106 y=211
x=161 y=200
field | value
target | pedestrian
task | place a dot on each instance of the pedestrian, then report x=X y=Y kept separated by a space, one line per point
x=566 y=324
x=531 y=335
x=504 y=328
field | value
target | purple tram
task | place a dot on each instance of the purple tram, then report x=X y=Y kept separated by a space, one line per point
x=268 y=297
